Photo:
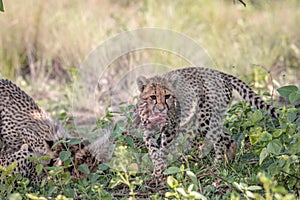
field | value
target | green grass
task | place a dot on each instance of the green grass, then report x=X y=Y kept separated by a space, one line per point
x=266 y=166
x=41 y=41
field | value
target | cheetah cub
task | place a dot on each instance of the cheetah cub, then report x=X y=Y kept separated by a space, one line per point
x=191 y=101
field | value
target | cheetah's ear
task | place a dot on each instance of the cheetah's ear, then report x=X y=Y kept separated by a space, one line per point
x=174 y=79
x=24 y=147
x=142 y=81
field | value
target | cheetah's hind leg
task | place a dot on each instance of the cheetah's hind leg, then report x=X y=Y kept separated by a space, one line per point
x=231 y=146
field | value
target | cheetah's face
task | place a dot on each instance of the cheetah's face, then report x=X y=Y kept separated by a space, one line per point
x=80 y=153
x=155 y=101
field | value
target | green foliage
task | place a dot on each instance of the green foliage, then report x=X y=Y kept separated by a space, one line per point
x=84 y=168
x=9 y=178
x=291 y=92
x=270 y=190
x=277 y=143
x=266 y=165
x=125 y=168
x=182 y=190
x=279 y=149
x=64 y=155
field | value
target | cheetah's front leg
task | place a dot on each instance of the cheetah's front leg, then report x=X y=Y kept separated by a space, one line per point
x=154 y=153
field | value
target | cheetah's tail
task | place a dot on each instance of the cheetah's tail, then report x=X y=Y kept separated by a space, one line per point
x=250 y=96
x=102 y=147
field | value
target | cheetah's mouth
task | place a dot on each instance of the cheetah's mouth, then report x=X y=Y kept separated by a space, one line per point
x=157 y=120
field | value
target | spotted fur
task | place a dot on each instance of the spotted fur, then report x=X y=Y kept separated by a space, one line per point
x=22 y=121
x=22 y=158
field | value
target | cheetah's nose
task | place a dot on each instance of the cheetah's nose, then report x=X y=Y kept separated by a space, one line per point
x=161 y=108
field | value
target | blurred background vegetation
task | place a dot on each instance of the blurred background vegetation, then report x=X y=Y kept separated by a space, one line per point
x=43 y=42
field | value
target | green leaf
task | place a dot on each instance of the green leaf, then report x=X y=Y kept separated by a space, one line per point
x=193 y=178
x=14 y=196
x=34 y=196
x=182 y=168
x=256 y=116
x=197 y=195
x=11 y=167
x=254 y=138
x=294 y=148
x=40 y=159
x=75 y=141
x=265 y=136
x=294 y=96
x=255 y=133
x=190 y=188
x=277 y=133
x=170 y=194
x=274 y=147
x=172 y=182
x=59 y=142
x=44 y=158
x=275 y=168
x=172 y=170
x=238 y=186
x=250 y=194
x=64 y=155
x=103 y=167
x=39 y=168
x=285 y=91
x=254 y=187
x=182 y=192
x=263 y=154
x=84 y=168
x=280 y=190
x=129 y=141
x=115 y=181
x=298 y=122
x=1 y=6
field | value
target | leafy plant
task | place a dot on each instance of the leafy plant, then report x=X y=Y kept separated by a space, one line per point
x=9 y=179
x=125 y=168
x=280 y=149
x=270 y=190
x=182 y=190
x=291 y=92
x=277 y=144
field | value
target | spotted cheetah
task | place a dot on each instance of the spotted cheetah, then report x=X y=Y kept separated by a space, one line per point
x=21 y=157
x=19 y=112
x=191 y=101
x=22 y=121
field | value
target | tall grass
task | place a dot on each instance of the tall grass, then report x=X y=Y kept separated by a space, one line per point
x=41 y=40
x=36 y=33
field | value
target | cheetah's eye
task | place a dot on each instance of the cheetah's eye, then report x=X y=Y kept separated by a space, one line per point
x=167 y=96
x=153 y=97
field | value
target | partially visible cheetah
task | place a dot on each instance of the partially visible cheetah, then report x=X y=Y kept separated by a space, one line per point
x=23 y=122
x=19 y=112
x=191 y=101
x=21 y=157
x=83 y=152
